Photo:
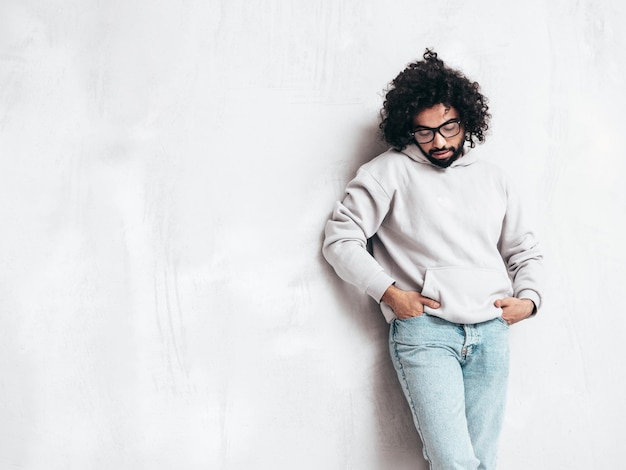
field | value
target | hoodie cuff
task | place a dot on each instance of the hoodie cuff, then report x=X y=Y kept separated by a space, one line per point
x=378 y=285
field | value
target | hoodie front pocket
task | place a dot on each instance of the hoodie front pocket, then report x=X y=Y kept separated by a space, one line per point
x=466 y=293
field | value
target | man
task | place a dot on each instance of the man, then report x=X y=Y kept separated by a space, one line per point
x=453 y=261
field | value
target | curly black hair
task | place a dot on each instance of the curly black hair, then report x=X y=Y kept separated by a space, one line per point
x=424 y=84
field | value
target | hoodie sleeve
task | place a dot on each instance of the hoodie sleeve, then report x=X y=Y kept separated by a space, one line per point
x=354 y=220
x=521 y=252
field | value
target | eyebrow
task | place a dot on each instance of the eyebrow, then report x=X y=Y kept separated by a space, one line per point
x=440 y=125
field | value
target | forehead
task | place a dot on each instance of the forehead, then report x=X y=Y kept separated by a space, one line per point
x=435 y=116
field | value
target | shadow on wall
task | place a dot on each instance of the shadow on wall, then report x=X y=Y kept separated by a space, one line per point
x=396 y=442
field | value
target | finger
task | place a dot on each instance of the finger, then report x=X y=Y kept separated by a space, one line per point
x=411 y=314
x=504 y=302
x=430 y=302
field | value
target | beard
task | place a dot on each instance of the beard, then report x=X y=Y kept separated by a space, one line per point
x=446 y=162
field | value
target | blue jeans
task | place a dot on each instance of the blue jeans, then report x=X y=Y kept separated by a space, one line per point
x=454 y=377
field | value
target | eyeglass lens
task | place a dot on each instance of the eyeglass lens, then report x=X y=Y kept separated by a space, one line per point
x=447 y=130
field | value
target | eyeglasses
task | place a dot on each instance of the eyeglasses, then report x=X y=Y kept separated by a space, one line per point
x=424 y=135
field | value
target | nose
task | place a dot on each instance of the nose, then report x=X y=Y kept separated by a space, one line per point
x=439 y=141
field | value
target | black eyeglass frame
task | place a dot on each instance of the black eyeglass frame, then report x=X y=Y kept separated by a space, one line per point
x=434 y=130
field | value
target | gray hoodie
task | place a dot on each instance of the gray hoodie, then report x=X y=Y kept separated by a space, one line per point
x=457 y=235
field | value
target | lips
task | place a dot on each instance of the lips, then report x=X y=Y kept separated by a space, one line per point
x=441 y=154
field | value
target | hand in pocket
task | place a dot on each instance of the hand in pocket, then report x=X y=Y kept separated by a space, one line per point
x=514 y=310
x=407 y=304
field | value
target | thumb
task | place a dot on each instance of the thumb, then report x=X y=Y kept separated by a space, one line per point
x=430 y=302
x=498 y=303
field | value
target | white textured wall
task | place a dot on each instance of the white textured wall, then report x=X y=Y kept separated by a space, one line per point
x=166 y=169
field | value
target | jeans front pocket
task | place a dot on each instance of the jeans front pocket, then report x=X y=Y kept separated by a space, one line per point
x=503 y=322
x=423 y=330
x=410 y=330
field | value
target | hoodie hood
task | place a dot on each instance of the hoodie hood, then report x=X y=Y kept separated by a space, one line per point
x=415 y=153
